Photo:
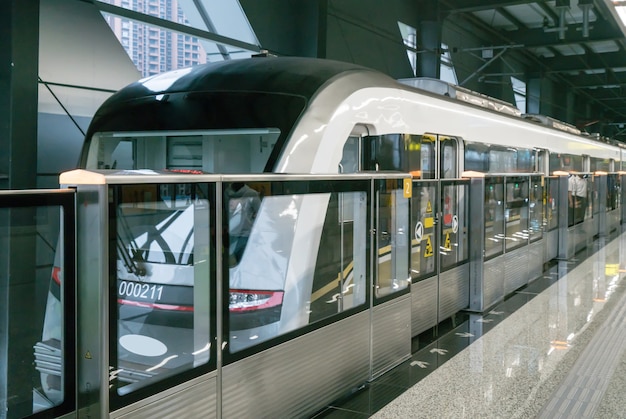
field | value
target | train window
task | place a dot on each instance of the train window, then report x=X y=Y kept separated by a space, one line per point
x=488 y=158
x=397 y=152
x=427 y=156
x=516 y=213
x=211 y=151
x=477 y=157
x=566 y=162
x=598 y=164
x=448 y=162
x=160 y=280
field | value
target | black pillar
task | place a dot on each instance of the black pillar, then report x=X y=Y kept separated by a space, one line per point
x=429 y=40
x=19 y=64
x=19 y=58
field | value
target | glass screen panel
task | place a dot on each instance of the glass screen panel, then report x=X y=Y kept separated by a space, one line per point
x=454 y=242
x=424 y=241
x=551 y=219
x=36 y=314
x=535 y=207
x=302 y=258
x=393 y=242
x=494 y=217
x=580 y=188
x=516 y=213
x=613 y=192
x=160 y=278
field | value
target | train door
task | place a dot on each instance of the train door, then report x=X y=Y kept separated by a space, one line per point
x=439 y=157
x=352 y=156
x=542 y=161
x=448 y=161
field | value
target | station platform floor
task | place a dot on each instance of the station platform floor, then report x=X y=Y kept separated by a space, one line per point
x=553 y=349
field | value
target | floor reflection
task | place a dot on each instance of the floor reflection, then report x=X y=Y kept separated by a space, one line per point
x=534 y=336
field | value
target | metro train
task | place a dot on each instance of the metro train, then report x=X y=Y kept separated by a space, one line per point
x=290 y=116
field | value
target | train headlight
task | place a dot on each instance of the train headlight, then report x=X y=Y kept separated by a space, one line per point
x=247 y=300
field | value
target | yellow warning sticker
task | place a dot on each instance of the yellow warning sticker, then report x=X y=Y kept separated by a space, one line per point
x=428 y=249
x=446 y=242
x=408 y=188
x=429 y=207
x=429 y=222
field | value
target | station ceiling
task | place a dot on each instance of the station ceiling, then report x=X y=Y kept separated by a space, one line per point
x=577 y=43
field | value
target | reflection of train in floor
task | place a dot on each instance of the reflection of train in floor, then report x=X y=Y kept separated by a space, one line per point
x=305 y=116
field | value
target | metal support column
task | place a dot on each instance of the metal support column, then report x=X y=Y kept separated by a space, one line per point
x=19 y=57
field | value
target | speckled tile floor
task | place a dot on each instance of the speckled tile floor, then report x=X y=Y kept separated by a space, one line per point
x=555 y=348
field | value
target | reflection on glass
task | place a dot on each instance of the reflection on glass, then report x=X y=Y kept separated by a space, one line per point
x=304 y=261
x=494 y=217
x=162 y=282
x=516 y=213
x=393 y=243
x=423 y=241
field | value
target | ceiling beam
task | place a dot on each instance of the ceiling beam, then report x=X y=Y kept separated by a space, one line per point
x=534 y=38
x=584 y=62
x=467 y=6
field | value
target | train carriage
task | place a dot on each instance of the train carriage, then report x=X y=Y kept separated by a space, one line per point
x=308 y=116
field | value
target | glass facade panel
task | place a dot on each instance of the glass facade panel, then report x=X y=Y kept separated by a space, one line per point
x=160 y=276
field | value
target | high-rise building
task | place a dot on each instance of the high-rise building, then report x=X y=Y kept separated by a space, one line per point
x=152 y=49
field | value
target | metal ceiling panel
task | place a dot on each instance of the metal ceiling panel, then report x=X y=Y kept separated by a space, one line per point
x=601 y=47
x=530 y=14
x=495 y=19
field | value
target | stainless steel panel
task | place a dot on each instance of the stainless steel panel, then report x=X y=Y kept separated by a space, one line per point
x=423 y=305
x=391 y=334
x=551 y=248
x=535 y=260
x=193 y=399
x=515 y=269
x=453 y=291
x=493 y=290
x=300 y=376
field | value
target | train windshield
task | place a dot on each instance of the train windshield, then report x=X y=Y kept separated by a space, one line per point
x=210 y=151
